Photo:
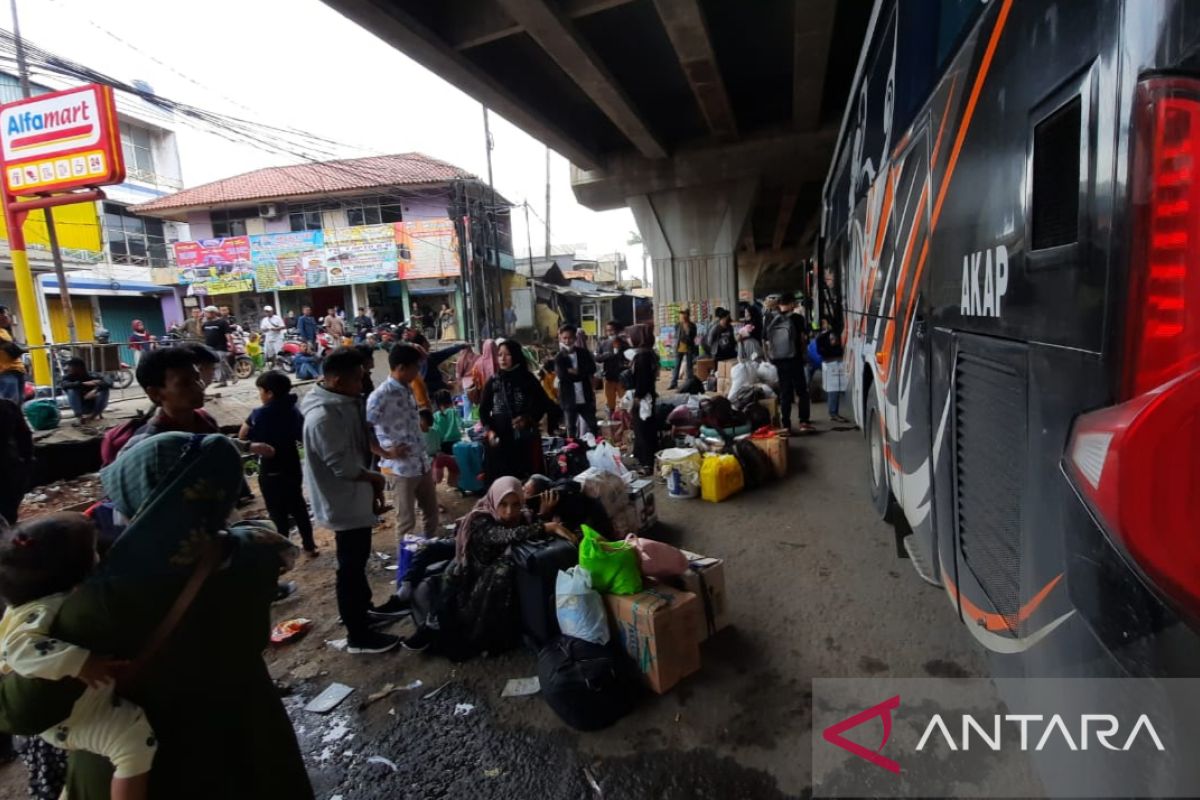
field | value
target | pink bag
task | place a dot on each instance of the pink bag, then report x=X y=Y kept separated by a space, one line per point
x=658 y=559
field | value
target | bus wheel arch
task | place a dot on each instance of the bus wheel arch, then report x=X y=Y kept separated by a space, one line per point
x=881 y=490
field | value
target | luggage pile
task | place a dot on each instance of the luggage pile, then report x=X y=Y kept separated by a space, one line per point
x=720 y=465
x=629 y=612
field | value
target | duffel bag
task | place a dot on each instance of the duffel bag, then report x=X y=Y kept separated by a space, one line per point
x=584 y=683
x=756 y=465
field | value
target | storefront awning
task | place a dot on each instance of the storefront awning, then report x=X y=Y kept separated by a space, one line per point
x=99 y=288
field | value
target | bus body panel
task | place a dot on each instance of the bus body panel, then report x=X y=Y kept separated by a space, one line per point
x=983 y=317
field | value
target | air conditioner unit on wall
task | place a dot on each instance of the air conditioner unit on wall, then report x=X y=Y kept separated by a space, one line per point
x=268 y=211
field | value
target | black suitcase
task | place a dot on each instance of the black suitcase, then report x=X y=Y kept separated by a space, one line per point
x=538 y=564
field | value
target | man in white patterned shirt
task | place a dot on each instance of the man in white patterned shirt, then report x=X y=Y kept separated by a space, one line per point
x=392 y=411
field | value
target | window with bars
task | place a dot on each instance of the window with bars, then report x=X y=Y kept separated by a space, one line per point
x=133 y=239
x=231 y=221
x=373 y=211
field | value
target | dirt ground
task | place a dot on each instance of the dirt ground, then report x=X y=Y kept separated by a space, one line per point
x=815 y=590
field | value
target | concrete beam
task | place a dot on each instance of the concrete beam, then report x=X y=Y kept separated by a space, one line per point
x=553 y=31
x=409 y=36
x=790 y=158
x=787 y=204
x=813 y=37
x=472 y=23
x=684 y=22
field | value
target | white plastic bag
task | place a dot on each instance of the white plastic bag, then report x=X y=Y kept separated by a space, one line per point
x=741 y=375
x=607 y=458
x=579 y=607
x=767 y=373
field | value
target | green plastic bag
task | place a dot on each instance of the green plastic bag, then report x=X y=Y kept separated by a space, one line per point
x=614 y=566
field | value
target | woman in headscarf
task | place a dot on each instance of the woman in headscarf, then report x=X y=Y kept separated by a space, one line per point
x=221 y=728
x=477 y=611
x=644 y=365
x=482 y=370
x=511 y=409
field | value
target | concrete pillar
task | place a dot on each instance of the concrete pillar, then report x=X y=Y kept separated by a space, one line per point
x=692 y=235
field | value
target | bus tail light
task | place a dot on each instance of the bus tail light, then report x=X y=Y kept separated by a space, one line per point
x=1137 y=464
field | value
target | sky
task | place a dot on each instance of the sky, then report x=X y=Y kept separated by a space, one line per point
x=300 y=64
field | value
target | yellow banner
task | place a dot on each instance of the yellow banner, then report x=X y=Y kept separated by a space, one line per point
x=77 y=225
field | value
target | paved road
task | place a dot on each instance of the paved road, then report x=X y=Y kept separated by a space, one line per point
x=816 y=591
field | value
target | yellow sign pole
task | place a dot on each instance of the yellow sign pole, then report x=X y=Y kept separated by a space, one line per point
x=31 y=318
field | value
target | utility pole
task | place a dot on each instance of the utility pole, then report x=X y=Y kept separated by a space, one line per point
x=528 y=240
x=491 y=240
x=64 y=293
x=547 y=202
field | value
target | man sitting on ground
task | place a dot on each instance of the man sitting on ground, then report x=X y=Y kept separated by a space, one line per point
x=87 y=392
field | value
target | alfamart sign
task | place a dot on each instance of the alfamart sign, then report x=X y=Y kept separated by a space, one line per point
x=60 y=141
x=1005 y=738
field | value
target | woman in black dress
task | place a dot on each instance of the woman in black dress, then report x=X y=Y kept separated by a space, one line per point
x=645 y=393
x=511 y=409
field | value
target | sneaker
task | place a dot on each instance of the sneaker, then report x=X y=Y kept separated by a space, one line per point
x=284 y=590
x=806 y=427
x=419 y=640
x=395 y=607
x=373 y=642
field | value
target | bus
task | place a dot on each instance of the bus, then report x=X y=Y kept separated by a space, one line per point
x=1011 y=224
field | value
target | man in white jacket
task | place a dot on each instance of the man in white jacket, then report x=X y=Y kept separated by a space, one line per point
x=272 y=328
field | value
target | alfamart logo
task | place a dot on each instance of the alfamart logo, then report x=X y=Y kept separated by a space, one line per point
x=1023 y=732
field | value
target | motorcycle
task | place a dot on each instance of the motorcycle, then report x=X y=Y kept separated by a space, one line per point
x=243 y=365
x=292 y=346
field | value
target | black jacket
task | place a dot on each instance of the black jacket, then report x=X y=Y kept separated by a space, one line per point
x=566 y=381
x=686 y=335
x=77 y=384
x=722 y=345
x=512 y=394
x=611 y=357
x=645 y=373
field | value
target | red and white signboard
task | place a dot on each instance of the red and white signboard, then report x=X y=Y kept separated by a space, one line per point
x=60 y=141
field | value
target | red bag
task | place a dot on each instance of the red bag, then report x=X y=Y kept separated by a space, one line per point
x=116 y=438
x=658 y=559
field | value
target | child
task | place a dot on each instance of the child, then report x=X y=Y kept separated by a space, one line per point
x=447 y=420
x=172 y=379
x=434 y=444
x=346 y=495
x=277 y=426
x=40 y=562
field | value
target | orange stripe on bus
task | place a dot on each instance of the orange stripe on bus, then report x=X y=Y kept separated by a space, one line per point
x=884 y=213
x=1000 y=622
x=984 y=66
x=937 y=145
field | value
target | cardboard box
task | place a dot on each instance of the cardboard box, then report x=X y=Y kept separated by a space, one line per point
x=706 y=577
x=723 y=385
x=658 y=628
x=641 y=495
x=725 y=368
x=776 y=449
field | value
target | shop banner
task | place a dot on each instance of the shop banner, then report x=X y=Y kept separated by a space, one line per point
x=427 y=249
x=361 y=254
x=284 y=261
x=215 y=266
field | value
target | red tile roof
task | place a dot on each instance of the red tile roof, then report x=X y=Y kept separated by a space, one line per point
x=309 y=180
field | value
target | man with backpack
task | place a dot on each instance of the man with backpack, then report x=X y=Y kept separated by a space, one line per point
x=786 y=344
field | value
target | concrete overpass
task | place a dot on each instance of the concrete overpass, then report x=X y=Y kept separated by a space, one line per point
x=713 y=120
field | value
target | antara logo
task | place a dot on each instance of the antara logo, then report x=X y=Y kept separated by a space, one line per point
x=1088 y=723
x=1103 y=727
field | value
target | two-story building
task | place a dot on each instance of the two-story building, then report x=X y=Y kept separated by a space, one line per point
x=391 y=233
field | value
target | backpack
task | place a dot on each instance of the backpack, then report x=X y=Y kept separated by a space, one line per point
x=756 y=465
x=626 y=378
x=757 y=416
x=43 y=415
x=717 y=412
x=116 y=438
x=584 y=683
x=782 y=343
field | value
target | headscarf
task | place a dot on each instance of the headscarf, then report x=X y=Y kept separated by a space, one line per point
x=486 y=364
x=466 y=361
x=177 y=490
x=487 y=506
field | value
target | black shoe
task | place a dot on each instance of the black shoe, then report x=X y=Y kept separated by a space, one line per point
x=394 y=608
x=419 y=640
x=372 y=642
x=284 y=590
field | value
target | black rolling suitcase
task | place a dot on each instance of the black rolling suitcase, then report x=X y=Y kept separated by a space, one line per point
x=538 y=564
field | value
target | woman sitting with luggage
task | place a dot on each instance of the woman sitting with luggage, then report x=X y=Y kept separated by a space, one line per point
x=511 y=410
x=476 y=611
